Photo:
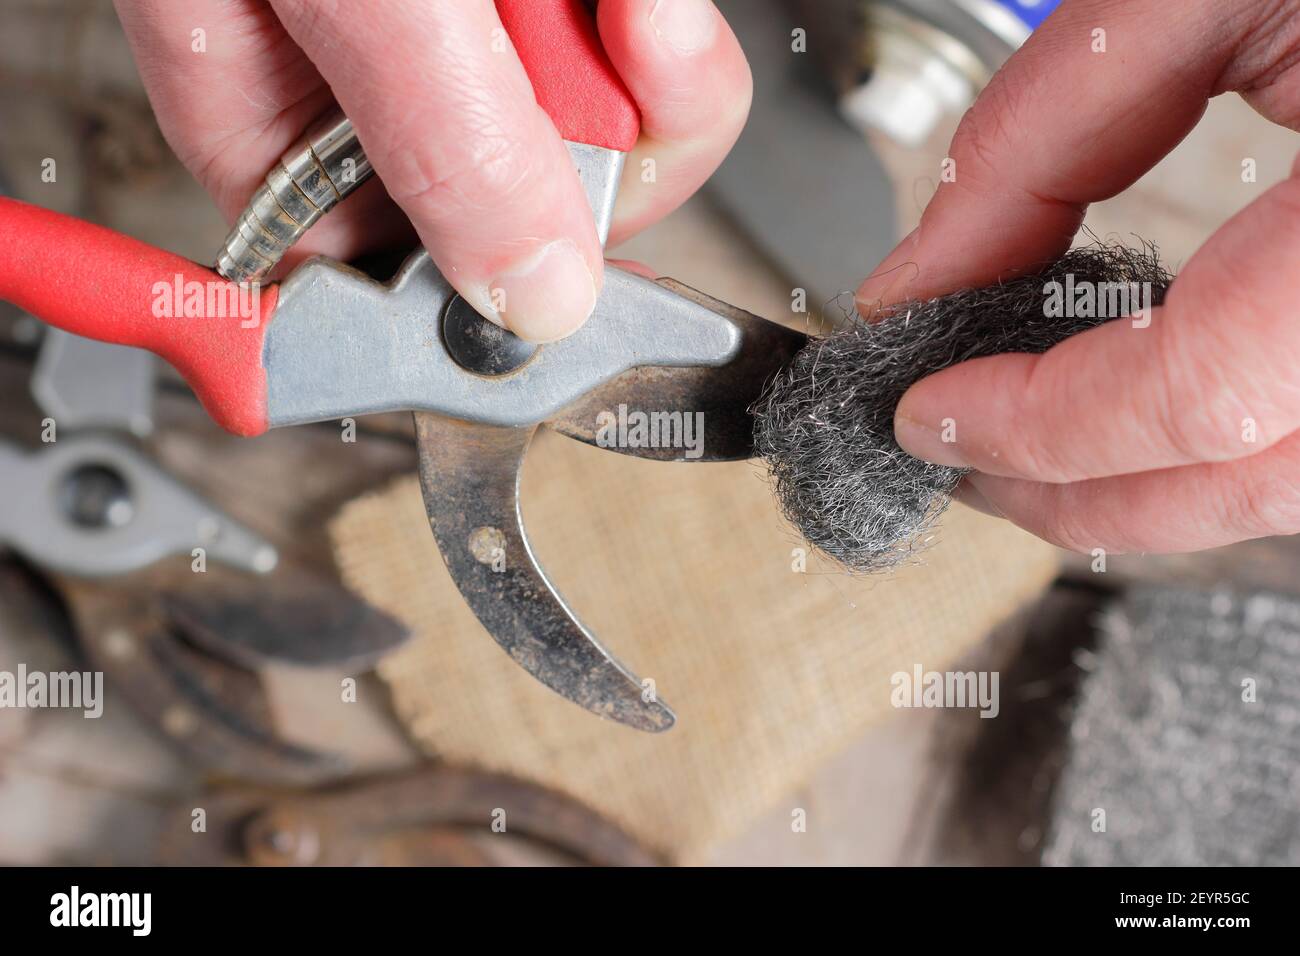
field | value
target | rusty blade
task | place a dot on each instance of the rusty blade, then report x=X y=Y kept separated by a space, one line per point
x=215 y=711
x=427 y=817
x=469 y=474
x=716 y=399
x=292 y=616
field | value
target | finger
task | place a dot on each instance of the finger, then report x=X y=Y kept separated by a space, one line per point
x=269 y=93
x=685 y=68
x=447 y=116
x=967 y=494
x=1062 y=125
x=1214 y=376
x=268 y=90
x=1171 y=511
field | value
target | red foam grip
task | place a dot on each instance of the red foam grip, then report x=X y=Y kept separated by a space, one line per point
x=572 y=77
x=97 y=283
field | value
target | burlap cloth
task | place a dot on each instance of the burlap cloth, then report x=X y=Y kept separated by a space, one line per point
x=685 y=572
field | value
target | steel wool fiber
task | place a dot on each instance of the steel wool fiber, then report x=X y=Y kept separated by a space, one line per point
x=825 y=424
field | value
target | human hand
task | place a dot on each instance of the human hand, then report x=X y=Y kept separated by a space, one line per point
x=1177 y=436
x=451 y=127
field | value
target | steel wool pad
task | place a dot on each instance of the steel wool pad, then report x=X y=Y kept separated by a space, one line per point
x=825 y=424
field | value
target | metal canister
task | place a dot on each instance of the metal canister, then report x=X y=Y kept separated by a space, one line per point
x=922 y=60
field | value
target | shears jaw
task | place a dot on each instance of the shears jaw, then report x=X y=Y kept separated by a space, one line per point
x=703 y=411
x=469 y=475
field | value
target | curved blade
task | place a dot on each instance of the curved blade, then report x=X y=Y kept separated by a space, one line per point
x=469 y=474
x=708 y=404
x=292 y=616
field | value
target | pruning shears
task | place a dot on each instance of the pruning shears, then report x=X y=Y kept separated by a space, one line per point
x=330 y=342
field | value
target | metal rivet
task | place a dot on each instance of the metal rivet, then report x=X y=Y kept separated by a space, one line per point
x=119 y=644
x=265 y=559
x=96 y=496
x=179 y=721
x=480 y=346
x=487 y=544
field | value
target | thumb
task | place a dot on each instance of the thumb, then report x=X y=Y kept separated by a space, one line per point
x=449 y=121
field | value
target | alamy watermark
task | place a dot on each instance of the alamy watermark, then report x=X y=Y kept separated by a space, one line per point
x=133 y=911
x=72 y=690
x=946 y=689
x=183 y=298
x=1085 y=299
x=638 y=429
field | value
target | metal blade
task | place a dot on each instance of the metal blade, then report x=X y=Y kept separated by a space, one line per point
x=293 y=616
x=469 y=474
x=721 y=396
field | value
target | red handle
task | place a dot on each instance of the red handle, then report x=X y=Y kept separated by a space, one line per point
x=102 y=285
x=572 y=77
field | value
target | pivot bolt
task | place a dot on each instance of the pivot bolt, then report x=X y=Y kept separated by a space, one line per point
x=481 y=346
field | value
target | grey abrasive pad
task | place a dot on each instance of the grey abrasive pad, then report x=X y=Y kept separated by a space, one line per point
x=1186 y=746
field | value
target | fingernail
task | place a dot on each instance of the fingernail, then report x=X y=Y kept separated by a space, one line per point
x=886 y=284
x=687 y=26
x=547 y=295
x=932 y=444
